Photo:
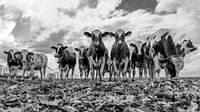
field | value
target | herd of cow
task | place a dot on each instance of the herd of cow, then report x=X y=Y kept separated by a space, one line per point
x=158 y=52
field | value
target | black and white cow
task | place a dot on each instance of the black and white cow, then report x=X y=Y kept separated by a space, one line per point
x=120 y=53
x=12 y=62
x=184 y=48
x=97 y=53
x=138 y=58
x=165 y=54
x=84 y=66
x=66 y=60
x=33 y=61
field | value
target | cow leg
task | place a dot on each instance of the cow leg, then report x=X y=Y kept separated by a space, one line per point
x=133 y=74
x=157 y=66
x=81 y=73
x=61 y=74
x=145 y=70
x=10 y=73
x=102 y=71
x=166 y=71
x=41 y=75
x=87 y=72
x=73 y=72
x=67 y=72
x=31 y=74
x=23 y=73
x=110 y=73
x=44 y=71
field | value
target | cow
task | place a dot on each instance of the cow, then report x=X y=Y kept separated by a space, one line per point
x=109 y=68
x=33 y=61
x=120 y=53
x=165 y=54
x=97 y=53
x=84 y=66
x=66 y=60
x=148 y=58
x=138 y=59
x=12 y=63
x=184 y=48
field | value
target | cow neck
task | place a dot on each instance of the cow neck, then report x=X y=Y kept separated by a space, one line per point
x=121 y=52
x=169 y=47
x=100 y=51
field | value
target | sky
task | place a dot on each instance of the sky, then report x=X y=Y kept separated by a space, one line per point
x=36 y=25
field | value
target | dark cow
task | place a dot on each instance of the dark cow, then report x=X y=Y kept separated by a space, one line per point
x=120 y=53
x=33 y=61
x=66 y=59
x=12 y=62
x=84 y=66
x=165 y=54
x=138 y=58
x=185 y=48
x=97 y=53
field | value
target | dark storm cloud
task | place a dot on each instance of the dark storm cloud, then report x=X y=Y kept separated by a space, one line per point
x=22 y=30
x=131 y=5
x=90 y=3
x=54 y=38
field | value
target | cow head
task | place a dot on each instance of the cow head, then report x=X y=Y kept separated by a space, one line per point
x=18 y=56
x=120 y=36
x=10 y=55
x=82 y=51
x=187 y=46
x=138 y=48
x=96 y=37
x=59 y=50
x=24 y=54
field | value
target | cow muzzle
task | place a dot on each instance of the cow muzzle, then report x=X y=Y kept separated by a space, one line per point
x=11 y=60
x=139 y=55
x=57 y=56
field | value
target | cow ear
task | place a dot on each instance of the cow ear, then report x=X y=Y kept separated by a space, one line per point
x=53 y=47
x=128 y=33
x=30 y=53
x=112 y=34
x=87 y=34
x=65 y=47
x=6 y=52
x=76 y=49
x=105 y=34
x=132 y=45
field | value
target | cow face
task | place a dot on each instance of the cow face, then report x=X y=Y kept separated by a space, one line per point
x=59 y=50
x=138 y=48
x=120 y=36
x=18 y=56
x=187 y=46
x=10 y=55
x=96 y=36
x=82 y=52
x=24 y=54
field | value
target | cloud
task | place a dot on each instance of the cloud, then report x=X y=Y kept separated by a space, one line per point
x=45 y=45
